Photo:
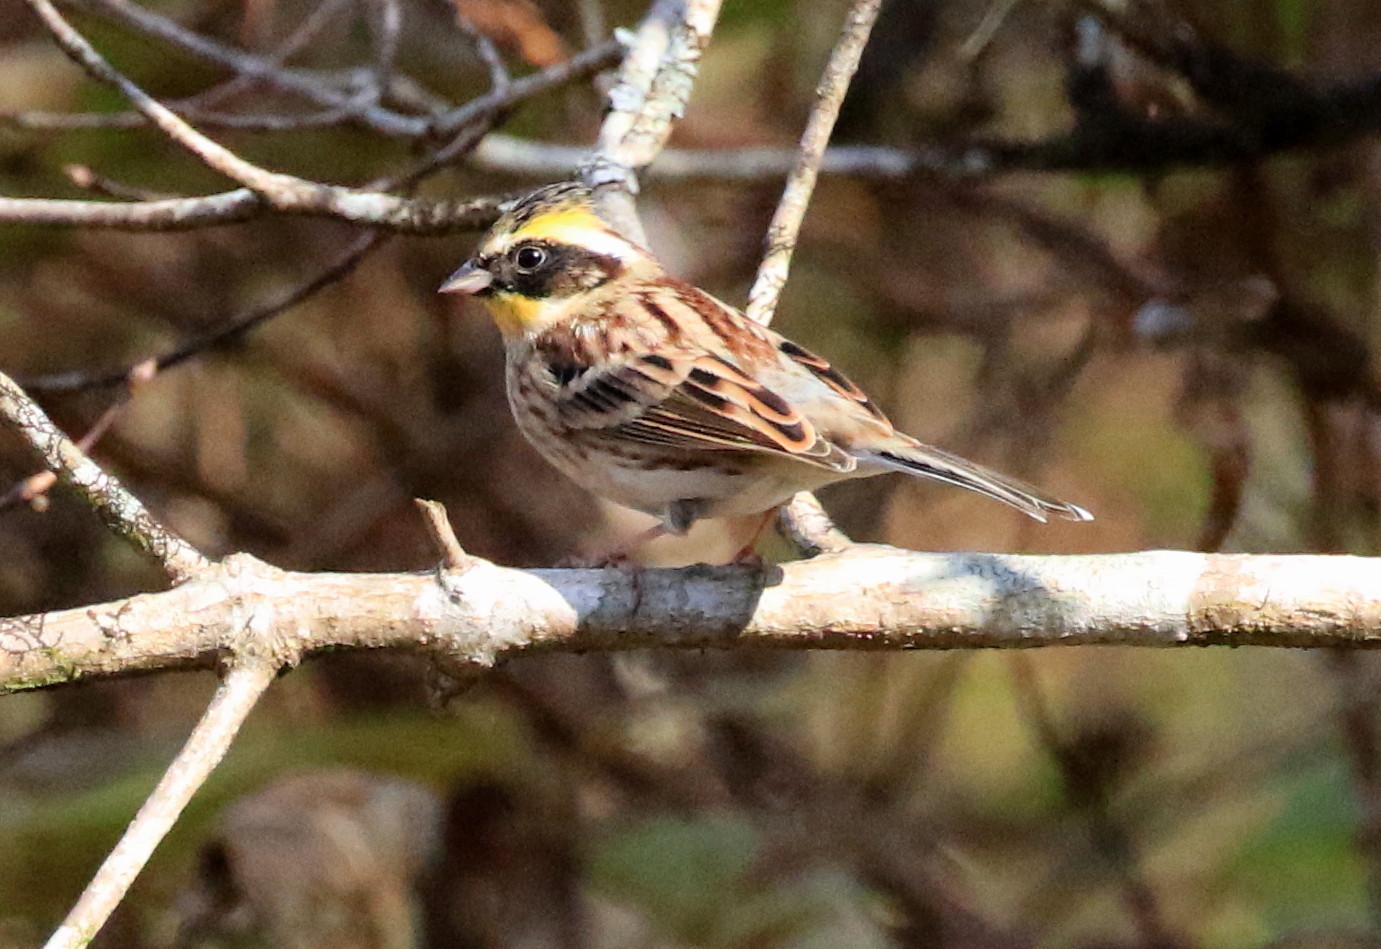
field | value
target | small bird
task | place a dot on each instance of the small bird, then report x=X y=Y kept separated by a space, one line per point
x=651 y=393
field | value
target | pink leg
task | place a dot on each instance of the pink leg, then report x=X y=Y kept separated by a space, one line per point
x=622 y=553
x=747 y=554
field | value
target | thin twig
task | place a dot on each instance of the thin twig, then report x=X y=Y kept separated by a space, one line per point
x=585 y=63
x=489 y=54
x=312 y=24
x=348 y=260
x=206 y=746
x=385 y=25
x=448 y=121
x=38 y=121
x=514 y=155
x=593 y=24
x=121 y=511
x=283 y=191
x=170 y=214
x=977 y=42
x=791 y=210
x=392 y=213
x=803 y=522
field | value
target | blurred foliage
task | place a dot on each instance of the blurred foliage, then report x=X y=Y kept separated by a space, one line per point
x=1101 y=333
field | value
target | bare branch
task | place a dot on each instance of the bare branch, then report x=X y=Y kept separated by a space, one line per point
x=312 y=24
x=385 y=24
x=447 y=121
x=489 y=54
x=418 y=216
x=205 y=747
x=264 y=190
x=121 y=511
x=804 y=522
x=508 y=153
x=869 y=597
x=791 y=210
x=654 y=86
x=282 y=191
x=170 y=214
x=34 y=489
x=208 y=118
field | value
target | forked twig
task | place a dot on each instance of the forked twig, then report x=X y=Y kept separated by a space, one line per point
x=235 y=697
x=264 y=190
x=262 y=69
x=33 y=490
x=282 y=191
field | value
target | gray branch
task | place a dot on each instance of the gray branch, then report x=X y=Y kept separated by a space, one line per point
x=868 y=597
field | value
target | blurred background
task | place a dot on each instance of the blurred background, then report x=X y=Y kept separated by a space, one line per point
x=1179 y=340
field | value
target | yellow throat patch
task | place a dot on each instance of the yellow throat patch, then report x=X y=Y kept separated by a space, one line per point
x=516 y=314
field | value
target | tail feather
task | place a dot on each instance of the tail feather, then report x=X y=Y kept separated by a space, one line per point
x=940 y=465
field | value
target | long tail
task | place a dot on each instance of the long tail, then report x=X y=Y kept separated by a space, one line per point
x=935 y=463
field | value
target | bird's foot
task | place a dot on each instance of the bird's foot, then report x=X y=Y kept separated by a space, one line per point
x=749 y=557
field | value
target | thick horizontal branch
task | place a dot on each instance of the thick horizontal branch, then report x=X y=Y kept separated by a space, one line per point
x=869 y=597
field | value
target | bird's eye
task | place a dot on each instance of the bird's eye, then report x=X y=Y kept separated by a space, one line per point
x=529 y=258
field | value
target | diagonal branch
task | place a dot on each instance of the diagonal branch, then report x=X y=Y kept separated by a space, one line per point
x=121 y=511
x=803 y=520
x=654 y=85
x=283 y=192
x=248 y=66
x=791 y=209
x=205 y=747
x=347 y=261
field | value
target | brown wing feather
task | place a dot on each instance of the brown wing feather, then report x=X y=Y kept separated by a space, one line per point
x=688 y=385
x=830 y=376
x=691 y=401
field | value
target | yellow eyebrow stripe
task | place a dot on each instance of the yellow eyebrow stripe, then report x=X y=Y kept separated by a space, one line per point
x=572 y=226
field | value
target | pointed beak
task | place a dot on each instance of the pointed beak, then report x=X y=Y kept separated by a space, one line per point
x=468 y=279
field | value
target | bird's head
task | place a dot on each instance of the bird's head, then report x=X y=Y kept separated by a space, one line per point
x=542 y=259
